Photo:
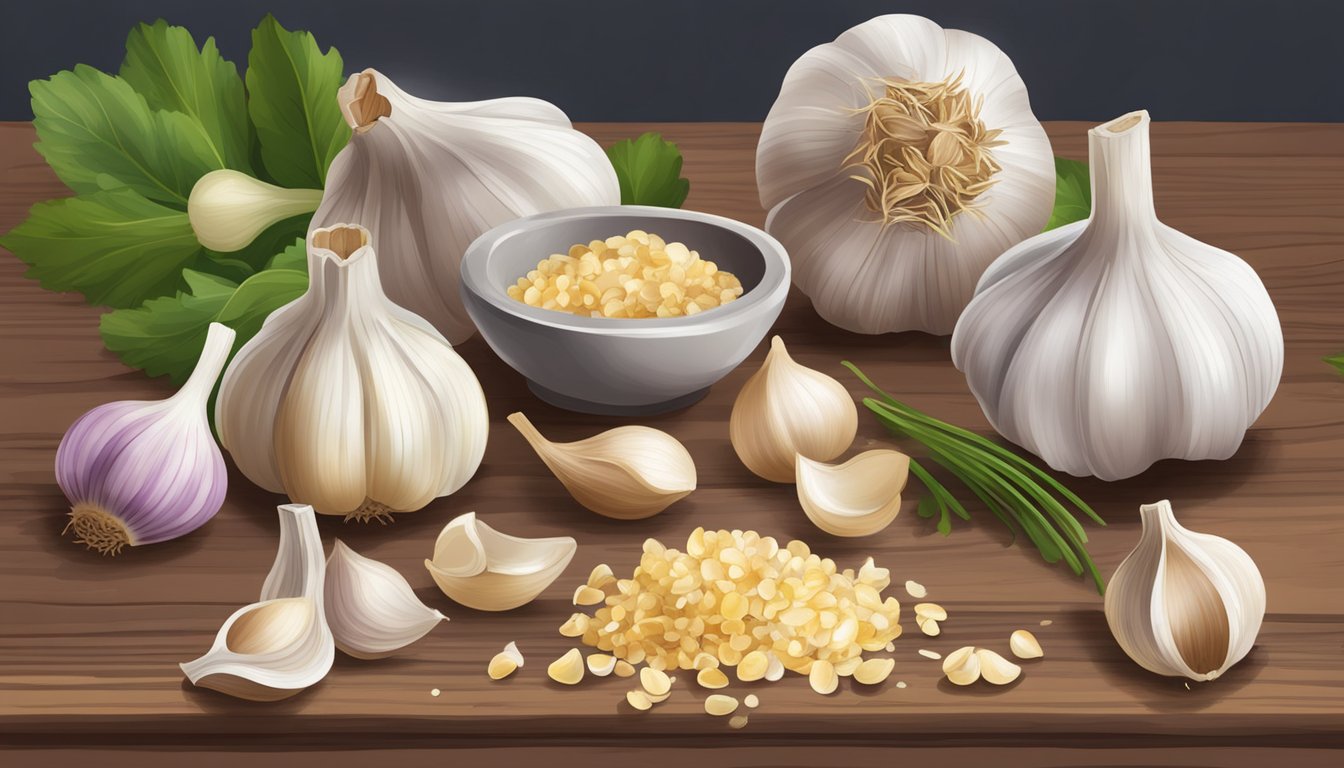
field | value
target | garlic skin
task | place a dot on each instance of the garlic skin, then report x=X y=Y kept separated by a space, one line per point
x=1184 y=604
x=140 y=472
x=371 y=609
x=279 y=646
x=348 y=402
x=428 y=178
x=857 y=498
x=787 y=410
x=228 y=209
x=897 y=162
x=481 y=568
x=626 y=473
x=1109 y=344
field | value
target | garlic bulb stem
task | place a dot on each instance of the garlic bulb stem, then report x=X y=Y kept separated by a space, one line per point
x=1122 y=172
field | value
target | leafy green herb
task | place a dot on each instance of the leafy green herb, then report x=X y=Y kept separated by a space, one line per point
x=1073 y=193
x=292 y=87
x=293 y=257
x=1337 y=361
x=649 y=170
x=1016 y=491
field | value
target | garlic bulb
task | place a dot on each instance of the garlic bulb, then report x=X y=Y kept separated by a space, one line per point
x=1184 y=604
x=228 y=209
x=371 y=609
x=348 y=402
x=626 y=473
x=277 y=647
x=786 y=410
x=896 y=164
x=140 y=472
x=1108 y=344
x=429 y=177
x=857 y=498
x=484 y=569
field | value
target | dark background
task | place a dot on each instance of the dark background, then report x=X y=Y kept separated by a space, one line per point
x=723 y=59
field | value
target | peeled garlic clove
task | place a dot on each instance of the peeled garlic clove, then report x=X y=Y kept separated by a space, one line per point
x=568 y=669
x=962 y=666
x=275 y=648
x=228 y=209
x=484 y=569
x=995 y=669
x=626 y=473
x=857 y=498
x=786 y=410
x=1184 y=604
x=1024 y=645
x=506 y=662
x=371 y=609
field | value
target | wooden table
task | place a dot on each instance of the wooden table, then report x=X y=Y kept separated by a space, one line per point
x=89 y=646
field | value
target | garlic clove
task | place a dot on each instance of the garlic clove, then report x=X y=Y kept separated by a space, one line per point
x=787 y=410
x=506 y=662
x=626 y=473
x=857 y=498
x=371 y=609
x=568 y=669
x=277 y=647
x=995 y=669
x=1184 y=604
x=1024 y=645
x=962 y=666
x=481 y=568
x=228 y=209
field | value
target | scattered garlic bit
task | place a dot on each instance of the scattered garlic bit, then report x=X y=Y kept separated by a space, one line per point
x=505 y=662
x=962 y=666
x=639 y=700
x=874 y=671
x=655 y=681
x=930 y=654
x=601 y=576
x=752 y=666
x=576 y=626
x=928 y=626
x=586 y=595
x=737 y=722
x=434 y=691
x=774 y=671
x=624 y=668
x=931 y=611
x=751 y=701
x=1046 y=622
x=601 y=664
x=822 y=678
x=1024 y=645
x=567 y=669
x=720 y=705
x=891 y=648
x=900 y=683
x=915 y=590
x=995 y=669
x=711 y=678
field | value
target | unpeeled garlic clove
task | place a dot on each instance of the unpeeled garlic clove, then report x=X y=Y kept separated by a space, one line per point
x=857 y=498
x=277 y=647
x=1184 y=604
x=626 y=473
x=371 y=609
x=786 y=410
x=506 y=662
x=484 y=569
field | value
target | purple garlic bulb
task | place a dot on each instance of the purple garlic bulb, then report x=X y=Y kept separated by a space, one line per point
x=144 y=471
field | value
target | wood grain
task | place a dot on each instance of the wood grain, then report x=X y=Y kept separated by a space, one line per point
x=89 y=647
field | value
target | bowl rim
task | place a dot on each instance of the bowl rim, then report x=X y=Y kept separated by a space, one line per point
x=771 y=290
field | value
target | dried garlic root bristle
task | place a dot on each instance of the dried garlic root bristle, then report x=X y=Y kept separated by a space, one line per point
x=505 y=662
x=567 y=669
x=720 y=705
x=1024 y=645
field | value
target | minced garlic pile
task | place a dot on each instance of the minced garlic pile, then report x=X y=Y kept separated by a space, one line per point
x=637 y=275
x=736 y=598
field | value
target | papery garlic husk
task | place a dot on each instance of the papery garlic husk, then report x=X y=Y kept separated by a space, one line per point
x=348 y=402
x=277 y=647
x=429 y=177
x=787 y=410
x=1184 y=604
x=371 y=609
x=1109 y=344
x=626 y=473
x=228 y=209
x=857 y=498
x=481 y=568
x=144 y=471
x=897 y=162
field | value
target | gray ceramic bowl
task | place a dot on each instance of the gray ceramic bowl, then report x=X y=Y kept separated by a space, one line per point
x=622 y=366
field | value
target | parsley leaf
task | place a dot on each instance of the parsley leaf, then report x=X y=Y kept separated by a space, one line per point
x=649 y=170
x=293 y=257
x=291 y=88
x=114 y=246
x=1073 y=193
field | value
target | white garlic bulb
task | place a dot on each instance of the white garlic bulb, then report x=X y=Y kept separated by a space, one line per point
x=429 y=177
x=1109 y=344
x=1184 y=604
x=787 y=410
x=896 y=164
x=371 y=609
x=348 y=402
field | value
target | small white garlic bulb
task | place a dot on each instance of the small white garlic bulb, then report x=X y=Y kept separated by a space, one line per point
x=787 y=410
x=348 y=402
x=1184 y=604
x=1109 y=344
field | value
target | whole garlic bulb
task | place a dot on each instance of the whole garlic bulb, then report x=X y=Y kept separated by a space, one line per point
x=897 y=163
x=1109 y=344
x=430 y=177
x=345 y=401
x=1184 y=604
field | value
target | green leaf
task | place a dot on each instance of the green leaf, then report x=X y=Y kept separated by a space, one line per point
x=164 y=65
x=1073 y=193
x=291 y=88
x=649 y=170
x=260 y=252
x=114 y=246
x=97 y=133
x=1337 y=361
x=293 y=257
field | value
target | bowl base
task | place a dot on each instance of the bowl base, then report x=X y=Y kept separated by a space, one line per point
x=606 y=409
